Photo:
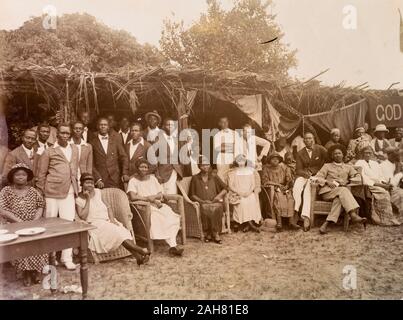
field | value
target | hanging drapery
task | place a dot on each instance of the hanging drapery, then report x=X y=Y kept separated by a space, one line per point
x=347 y=118
x=251 y=106
x=279 y=126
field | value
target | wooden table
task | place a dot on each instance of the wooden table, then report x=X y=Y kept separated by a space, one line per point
x=60 y=234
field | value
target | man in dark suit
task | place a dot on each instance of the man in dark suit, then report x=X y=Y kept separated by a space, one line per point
x=165 y=154
x=136 y=147
x=42 y=143
x=124 y=130
x=111 y=163
x=85 y=118
x=25 y=153
x=309 y=161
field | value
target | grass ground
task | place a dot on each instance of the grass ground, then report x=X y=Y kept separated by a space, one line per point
x=287 y=265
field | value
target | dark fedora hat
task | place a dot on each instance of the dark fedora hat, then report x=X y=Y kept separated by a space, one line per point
x=17 y=167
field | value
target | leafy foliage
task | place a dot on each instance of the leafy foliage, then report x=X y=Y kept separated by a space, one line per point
x=230 y=40
x=80 y=41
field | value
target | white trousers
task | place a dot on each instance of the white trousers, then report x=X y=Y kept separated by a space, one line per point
x=65 y=209
x=302 y=191
x=170 y=186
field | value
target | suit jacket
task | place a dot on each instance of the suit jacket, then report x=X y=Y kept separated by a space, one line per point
x=307 y=166
x=111 y=166
x=56 y=174
x=141 y=152
x=166 y=160
x=18 y=155
x=36 y=146
x=86 y=159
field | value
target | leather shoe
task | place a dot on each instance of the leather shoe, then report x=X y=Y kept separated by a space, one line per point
x=175 y=251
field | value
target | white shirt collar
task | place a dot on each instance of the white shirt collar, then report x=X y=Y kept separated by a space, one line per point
x=58 y=145
x=27 y=151
x=140 y=142
x=128 y=131
x=101 y=136
x=155 y=129
x=82 y=142
x=40 y=144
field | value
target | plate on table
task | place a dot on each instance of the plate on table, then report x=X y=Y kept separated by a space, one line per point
x=8 y=237
x=3 y=231
x=30 y=231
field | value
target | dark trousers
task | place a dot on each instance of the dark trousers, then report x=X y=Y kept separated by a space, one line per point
x=211 y=215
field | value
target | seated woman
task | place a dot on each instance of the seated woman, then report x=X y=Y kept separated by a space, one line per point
x=244 y=189
x=165 y=223
x=355 y=146
x=382 y=212
x=279 y=176
x=20 y=202
x=333 y=178
x=209 y=191
x=392 y=171
x=110 y=233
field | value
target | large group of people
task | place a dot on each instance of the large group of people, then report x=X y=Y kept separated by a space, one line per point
x=62 y=176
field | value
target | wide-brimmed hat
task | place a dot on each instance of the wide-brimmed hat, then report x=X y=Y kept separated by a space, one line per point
x=381 y=128
x=17 y=167
x=275 y=155
x=336 y=147
x=153 y=113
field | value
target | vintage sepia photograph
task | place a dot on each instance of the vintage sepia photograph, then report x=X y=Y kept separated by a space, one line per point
x=210 y=150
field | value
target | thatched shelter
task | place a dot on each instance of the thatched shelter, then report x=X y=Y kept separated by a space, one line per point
x=33 y=90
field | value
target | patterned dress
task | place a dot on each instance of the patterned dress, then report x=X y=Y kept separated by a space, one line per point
x=24 y=207
x=273 y=177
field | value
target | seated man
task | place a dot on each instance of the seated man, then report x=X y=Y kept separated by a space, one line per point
x=372 y=176
x=309 y=160
x=209 y=191
x=333 y=179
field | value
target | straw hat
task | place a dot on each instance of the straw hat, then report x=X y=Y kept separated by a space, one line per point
x=275 y=155
x=153 y=113
x=381 y=128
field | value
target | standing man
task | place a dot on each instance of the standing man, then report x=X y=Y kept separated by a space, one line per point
x=379 y=144
x=25 y=153
x=42 y=143
x=124 y=131
x=57 y=179
x=84 y=149
x=226 y=146
x=136 y=147
x=309 y=161
x=152 y=132
x=165 y=153
x=397 y=141
x=111 y=163
x=85 y=118
x=112 y=126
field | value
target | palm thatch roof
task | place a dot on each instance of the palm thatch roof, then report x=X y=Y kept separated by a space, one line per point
x=66 y=90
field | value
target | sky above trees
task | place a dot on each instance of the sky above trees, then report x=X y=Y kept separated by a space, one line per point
x=368 y=53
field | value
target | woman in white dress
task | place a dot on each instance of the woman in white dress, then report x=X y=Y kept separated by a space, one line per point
x=165 y=223
x=244 y=186
x=110 y=233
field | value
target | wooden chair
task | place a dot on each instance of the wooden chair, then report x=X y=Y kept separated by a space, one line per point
x=321 y=207
x=117 y=200
x=142 y=218
x=194 y=227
